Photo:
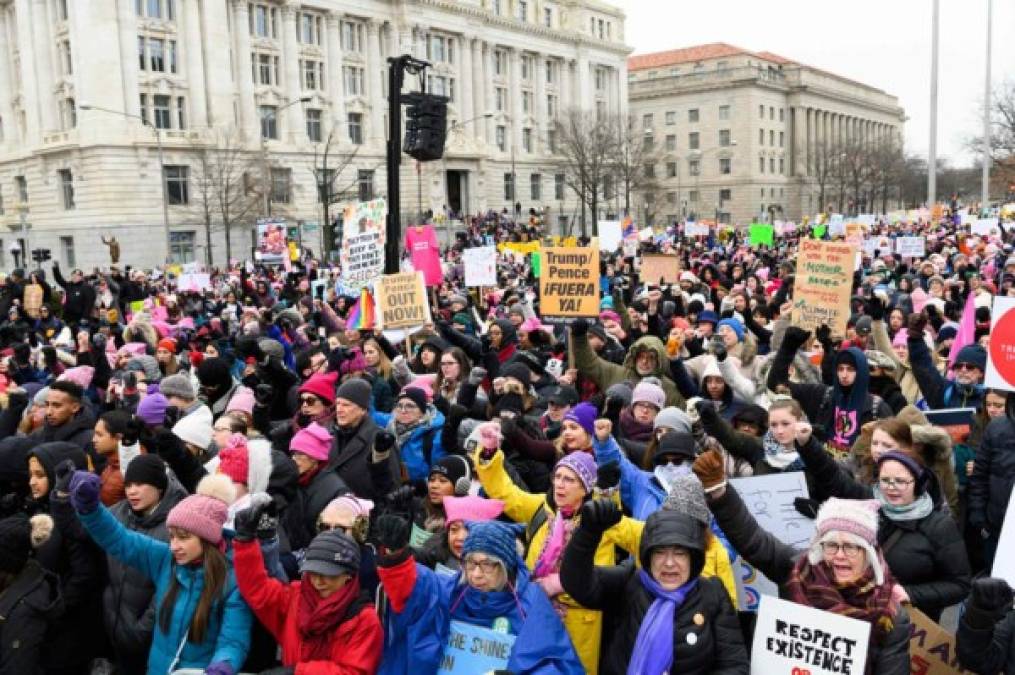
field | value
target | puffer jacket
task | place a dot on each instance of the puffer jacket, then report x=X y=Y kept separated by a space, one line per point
x=423 y=446
x=987 y=651
x=606 y=374
x=617 y=590
x=127 y=609
x=300 y=517
x=990 y=486
x=230 y=620
x=28 y=605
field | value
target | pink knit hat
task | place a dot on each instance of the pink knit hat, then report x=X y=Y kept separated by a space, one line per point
x=204 y=513
x=242 y=401
x=472 y=507
x=354 y=505
x=609 y=314
x=81 y=376
x=234 y=459
x=901 y=339
x=856 y=520
x=314 y=442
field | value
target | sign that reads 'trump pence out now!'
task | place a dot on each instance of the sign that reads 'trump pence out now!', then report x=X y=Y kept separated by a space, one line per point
x=569 y=283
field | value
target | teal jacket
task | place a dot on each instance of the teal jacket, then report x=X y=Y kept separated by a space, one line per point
x=228 y=635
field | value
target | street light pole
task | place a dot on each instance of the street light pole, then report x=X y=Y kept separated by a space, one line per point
x=985 y=187
x=932 y=146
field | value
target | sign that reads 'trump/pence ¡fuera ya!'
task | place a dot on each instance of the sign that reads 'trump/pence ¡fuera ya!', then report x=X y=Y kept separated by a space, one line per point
x=569 y=282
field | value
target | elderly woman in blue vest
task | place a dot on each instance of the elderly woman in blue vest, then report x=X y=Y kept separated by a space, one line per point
x=492 y=591
x=202 y=621
x=416 y=425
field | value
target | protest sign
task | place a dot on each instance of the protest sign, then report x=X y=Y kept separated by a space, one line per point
x=363 y=239
x=791 y=638
x=1001 y=361
x=836 y=225
x=196 y=283
x=1004 y=559
x=761 y=234
x=931 y=647
x=824 y=282
x=272 y=248
x=473 y=649
x=480 y=266
x=536 y=262
x=984 y=226
x=609 y=235
x=569 y=283
x=696 y=229
x=910 y=247
x=523 y=247
x=769 y=498
x=645 y=234
x=854 y=232
x=401 y=300
x=656 y=267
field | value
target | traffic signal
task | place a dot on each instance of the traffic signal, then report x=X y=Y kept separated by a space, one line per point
x=426 y=123
x=41 y=255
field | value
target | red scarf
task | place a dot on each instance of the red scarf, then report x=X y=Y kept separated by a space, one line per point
x=318 y=617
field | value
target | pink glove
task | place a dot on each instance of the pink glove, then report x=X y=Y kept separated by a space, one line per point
x=551 y=585
x=489 y=438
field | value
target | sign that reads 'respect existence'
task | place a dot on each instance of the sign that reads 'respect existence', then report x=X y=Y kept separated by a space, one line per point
x=791 y=638
x=401 y=300
x=824 y=282
x=569 y=283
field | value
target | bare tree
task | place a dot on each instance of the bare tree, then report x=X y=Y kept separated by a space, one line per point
x=1002 y=137
x=332 y=186
x=886 y=170
x=587 y=145
x=825 y=169
x=635 y=163
x=224 y=185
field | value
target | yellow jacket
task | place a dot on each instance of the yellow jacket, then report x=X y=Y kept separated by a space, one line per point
x=583 y=625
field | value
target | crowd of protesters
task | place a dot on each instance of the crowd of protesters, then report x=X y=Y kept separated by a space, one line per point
x=246 y=480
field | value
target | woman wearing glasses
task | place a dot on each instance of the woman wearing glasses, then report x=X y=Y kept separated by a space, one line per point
x=921 y=543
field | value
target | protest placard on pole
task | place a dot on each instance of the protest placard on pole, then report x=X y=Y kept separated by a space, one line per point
x=569 y=283
x=1001 y=362
x=791 y=638
x=984 y=226
x=472 y=649
x=656 y=267
x=824 y=283
x=480 y=266
x=272 y=248
x=911 y=247
x=931 y=647
x=692 y=229
x=363 y=238
x=610 y=234
x=402 y=301
x=194 y=282
x=761 y=234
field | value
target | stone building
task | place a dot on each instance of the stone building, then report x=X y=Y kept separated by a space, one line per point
x=739 y=134
x=85 y=84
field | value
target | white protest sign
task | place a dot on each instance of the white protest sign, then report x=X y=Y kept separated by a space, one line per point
x=196 y=283
x=1001 y=353
x=1004 y=559
x=792 y=638
x=984 y=226
x=480 y=266
x=911 y=247
x=645 y=234
x=610 y=235
x=769 y=498
x=363 y=239
x=836 y=225
x=696 y=229
x=473 y=649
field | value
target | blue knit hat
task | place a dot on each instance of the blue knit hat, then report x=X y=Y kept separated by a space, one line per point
x=708 y=316
x=735 y=326
x=493 y=538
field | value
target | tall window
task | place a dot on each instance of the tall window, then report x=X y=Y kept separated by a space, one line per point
x=761 y=165
x=171 y=55
x=67 y=248
x=144 y=108
x=181 y=246
x=309 y=30
x=551 y=106
x=671 y=117
x=523 y=10
x=264 y=69
x=156 y=55
x=500 y=135
x=181 y=112
x=694 y=167
x=724 y=112
x=313 y=75
x=548 y=17
x=352 y=36
x=281 y=185
x=725 y=195
x=263 y=21
x=70 y=113
x=526 y=67
x=440 y=49
x=501 y=98
x=527 y=140
x=353 y=78
x=509 y=187
x=535 y=186
x=527 y=102
x=156 y=9
x=177 y=184
x=693 y=141
x=761 y=136
x=725 y=165
x=724 y=138
x=355 y=124
x=671 y=169
x=499 y=62
x=558 y=186
x=551 y=72
x=692 y=115
x=67 y=61
x=314 y=125
x=161 y=111
x=62 y=6
x=269 y=121
x=67 y=188
x=365 y=181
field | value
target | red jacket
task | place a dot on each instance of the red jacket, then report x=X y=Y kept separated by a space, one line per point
x=356 y=645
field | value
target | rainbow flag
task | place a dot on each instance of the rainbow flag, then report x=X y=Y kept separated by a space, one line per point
x=363 y=314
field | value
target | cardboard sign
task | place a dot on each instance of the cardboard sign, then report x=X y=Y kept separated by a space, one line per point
x=911 y=247
x=272 y=248
x=363 y=239
x=854 y=232
x=610 y=235
x=656 y=267
x=1001 y=355
x=569 y=283
x=824 y=282
x=473 y=649
x=401 y=300
x=480 y=266
x=791 y=638
x=931 y=647
x=761 y=234
x=1004 y=559
x=696 y=229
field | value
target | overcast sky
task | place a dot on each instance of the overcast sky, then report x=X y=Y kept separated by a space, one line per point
x=883 y=43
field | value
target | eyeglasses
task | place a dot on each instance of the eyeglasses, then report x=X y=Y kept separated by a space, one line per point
x=966 y=366
x=832 y=548
x=309 y=400
x=486 y=565
x=331 y=527
x=406 y=407
x=892 y=483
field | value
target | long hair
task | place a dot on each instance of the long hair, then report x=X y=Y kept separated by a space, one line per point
x=215 y=570
x=383 y=362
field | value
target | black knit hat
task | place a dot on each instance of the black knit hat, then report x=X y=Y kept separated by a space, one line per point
x=509 y=403
x=676 y=443
x=15 y=543
x=752 y=414
x=147 y=470
x=356 y=391
x=518 y=371
x=414 y=394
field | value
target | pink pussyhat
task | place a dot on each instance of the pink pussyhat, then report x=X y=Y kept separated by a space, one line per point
x=901 y=339
x=472 y=507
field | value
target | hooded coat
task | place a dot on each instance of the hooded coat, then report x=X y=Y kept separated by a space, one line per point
x=422 y=447
x=990 y=485
x=28 y=605
x=606 y=374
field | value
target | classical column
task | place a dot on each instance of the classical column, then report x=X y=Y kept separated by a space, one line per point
x=584 y=78
x=127 y=36
x=464 y=76
x=374 y=88
x=540 y=113
x=10 y=124
x=248 y=111
x=491 y=122
x=515 y=99
x=190 y=10
x=811 y=123
x=43 y=71
x=295 y=129
x=622 y=99
x=477 y=90
x=799 y=140
x=336 y=88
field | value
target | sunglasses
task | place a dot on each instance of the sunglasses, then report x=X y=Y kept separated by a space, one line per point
x=966 y=366
x=309 y=400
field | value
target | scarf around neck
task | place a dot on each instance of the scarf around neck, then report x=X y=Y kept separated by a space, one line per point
x=633 y=429
x=318 y=617
x=653 y=648
x=917 y=509
x=560 y=533
x=778 y=457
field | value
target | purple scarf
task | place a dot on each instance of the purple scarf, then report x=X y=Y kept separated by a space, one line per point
x=653 y=648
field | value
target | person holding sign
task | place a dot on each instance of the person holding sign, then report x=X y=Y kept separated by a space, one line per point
x=493 y=599
x=843 y=570
x=669 y=617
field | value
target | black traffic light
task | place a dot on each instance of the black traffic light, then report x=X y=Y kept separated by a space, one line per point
x=426 y=123
x=41 y=255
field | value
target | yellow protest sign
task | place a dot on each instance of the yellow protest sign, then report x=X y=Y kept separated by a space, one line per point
x=824 y=282
x=569 y=282
x=525 y=247
x=656 y=267
x=401 y=300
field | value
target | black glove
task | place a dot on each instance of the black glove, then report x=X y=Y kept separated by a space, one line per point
x=99 y=341
x=392 y=532
x=599 y=515
x=64 y=472
x=260 y=520
x=383 y=441
x=823 y=334
x=719 y=348
x=795 y=337
x=916 y=325
x=263 y=393
x=336 y=358
x=808 y=508
x=580 y=327
x=171 y=417
x=169 y=447
x=876 y=309
x=612 y=409
x=608 y=476
x=401 y=499
x=989 y=601
x=17 y=399
x=135 y=427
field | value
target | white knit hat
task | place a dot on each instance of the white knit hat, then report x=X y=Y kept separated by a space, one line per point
x=194 y=429
x=855 y=520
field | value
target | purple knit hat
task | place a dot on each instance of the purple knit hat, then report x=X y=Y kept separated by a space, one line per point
x=204 y=513
x=584 y=415
x=584 y=465
x=152 y=409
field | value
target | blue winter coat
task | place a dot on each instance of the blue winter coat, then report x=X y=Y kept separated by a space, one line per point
x=228 y=634
x=414 y=639
x=639 y=489
x=412 y=450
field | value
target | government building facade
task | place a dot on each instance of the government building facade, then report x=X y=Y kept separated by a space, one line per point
x=246 y=98
x=741 y=135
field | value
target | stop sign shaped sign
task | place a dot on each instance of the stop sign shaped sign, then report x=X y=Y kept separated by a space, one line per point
x=1001 y=368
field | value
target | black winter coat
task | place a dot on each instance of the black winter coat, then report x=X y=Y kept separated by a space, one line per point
x=27 y=605
x=987 y=651
x=14 y=449
x=300 y=517
x=993 y=476
x=80 y=299
x=350 y=458
x=719 y=647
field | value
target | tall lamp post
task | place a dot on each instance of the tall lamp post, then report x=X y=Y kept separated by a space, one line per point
x=162 y=165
